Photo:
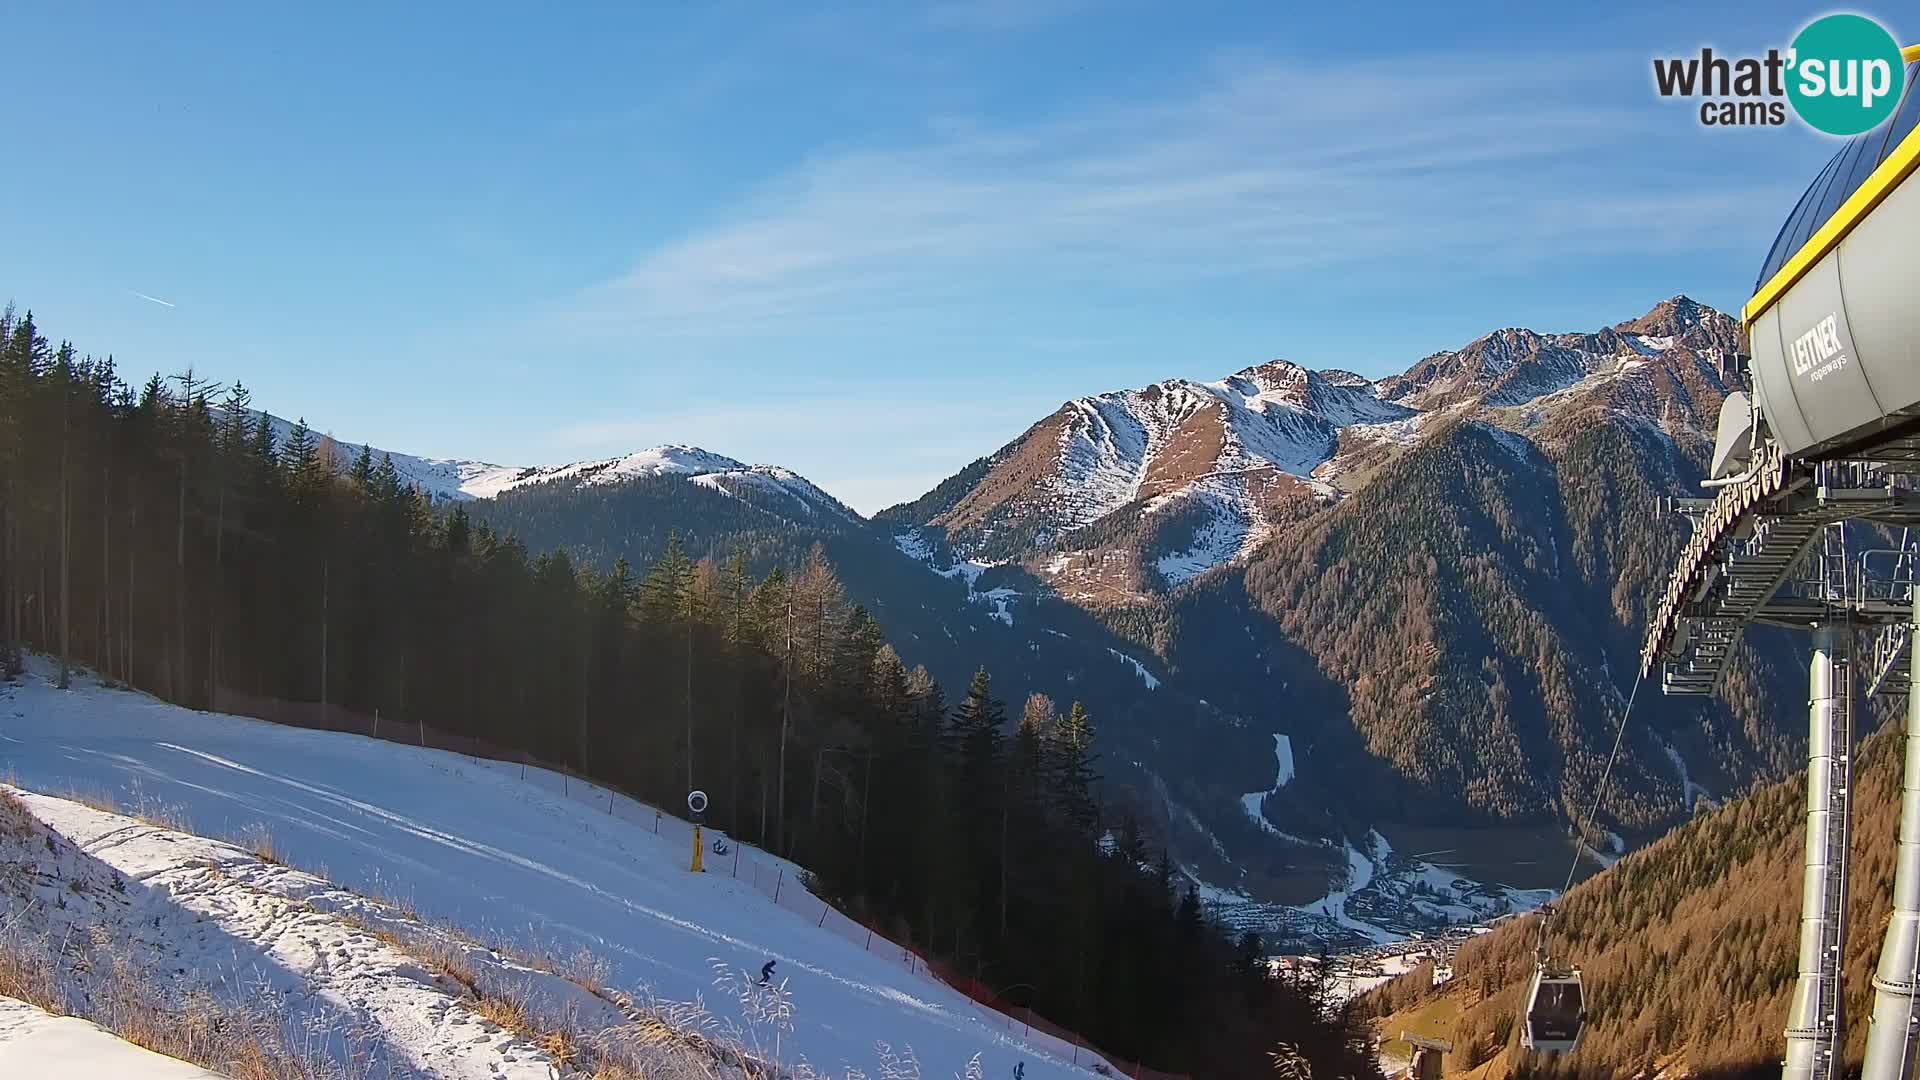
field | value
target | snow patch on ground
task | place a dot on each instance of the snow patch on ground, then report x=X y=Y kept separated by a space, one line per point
x=37 y=1043
x=1359 y=876
x=1000 y=600
x=1691 y=792
x=1512 y=442
x=1616 y=848
x=1212 y=894
x=1283 y=757
x=1222 y=539
x=1252 y=801
x=1138 y=669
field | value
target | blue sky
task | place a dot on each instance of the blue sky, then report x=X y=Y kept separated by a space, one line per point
x=870 y=243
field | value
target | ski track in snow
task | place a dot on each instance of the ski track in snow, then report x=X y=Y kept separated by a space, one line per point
x=475 y=844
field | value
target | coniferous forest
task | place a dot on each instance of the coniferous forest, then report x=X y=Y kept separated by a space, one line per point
x=160 y=535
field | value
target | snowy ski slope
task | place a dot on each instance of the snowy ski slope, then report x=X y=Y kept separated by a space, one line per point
x=540 y=860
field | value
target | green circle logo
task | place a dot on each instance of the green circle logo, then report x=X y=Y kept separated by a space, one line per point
x=1845 y=74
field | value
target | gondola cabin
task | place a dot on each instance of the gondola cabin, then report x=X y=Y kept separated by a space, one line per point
x=1556 y=1011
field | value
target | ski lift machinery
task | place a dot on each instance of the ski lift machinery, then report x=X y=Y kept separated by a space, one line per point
x=1825 y=432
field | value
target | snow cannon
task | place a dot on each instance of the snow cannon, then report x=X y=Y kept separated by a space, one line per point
x=697 y=806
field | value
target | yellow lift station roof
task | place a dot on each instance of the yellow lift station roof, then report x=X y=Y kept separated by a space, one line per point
x=1862 y=174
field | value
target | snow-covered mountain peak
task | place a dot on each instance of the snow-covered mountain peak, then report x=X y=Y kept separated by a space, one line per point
x=460 y=480
x=1181 y=476
x=673 y=459
x=1348 y=379
x=716 y=472
x=1671 y=318
x=1279 y=377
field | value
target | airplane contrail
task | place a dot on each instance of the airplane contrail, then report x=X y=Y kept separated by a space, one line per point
x=154 y=299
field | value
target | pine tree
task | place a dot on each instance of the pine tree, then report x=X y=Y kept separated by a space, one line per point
x=735 y=592
x=362 y=475
x=1071 y=750
x=300 y=462
x=386 y=481
x=664 y=595
x=263 y=448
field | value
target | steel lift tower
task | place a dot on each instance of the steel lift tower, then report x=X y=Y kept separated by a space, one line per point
x=1814 y=524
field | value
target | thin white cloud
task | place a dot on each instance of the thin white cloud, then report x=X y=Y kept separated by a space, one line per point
x=790 y=422
x=154 y=300
x=1266 y=173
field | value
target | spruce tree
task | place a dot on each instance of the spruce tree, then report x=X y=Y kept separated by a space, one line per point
x=664 y=595
x=362 y=475
x=1072 y=769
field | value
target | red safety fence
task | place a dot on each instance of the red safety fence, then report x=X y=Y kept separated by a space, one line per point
x=775 y=878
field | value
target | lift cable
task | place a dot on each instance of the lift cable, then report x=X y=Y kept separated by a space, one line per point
x=1593 y=814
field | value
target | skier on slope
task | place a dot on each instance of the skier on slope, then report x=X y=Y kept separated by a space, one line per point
x=1020 y=1071
x=766 y=973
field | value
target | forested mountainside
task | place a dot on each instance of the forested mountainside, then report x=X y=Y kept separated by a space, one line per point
x=166 y=538
x=1170 y=755
x=1436 y=610
x=1436 y=581
x=1687 y=946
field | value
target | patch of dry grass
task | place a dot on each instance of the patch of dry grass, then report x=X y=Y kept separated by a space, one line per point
x=26 y=973
x=589 y=971
x=94 y=797
x=583 y=967
x=258 y=839
x=507 y=1006
x=658 y=1041
x=151 y=811
x=216 y=1032
x=169 y=816
x=16 y=821
x=445 y=958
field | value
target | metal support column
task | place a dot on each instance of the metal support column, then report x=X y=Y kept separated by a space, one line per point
x=1815 y=1025
x=1891 y=1042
